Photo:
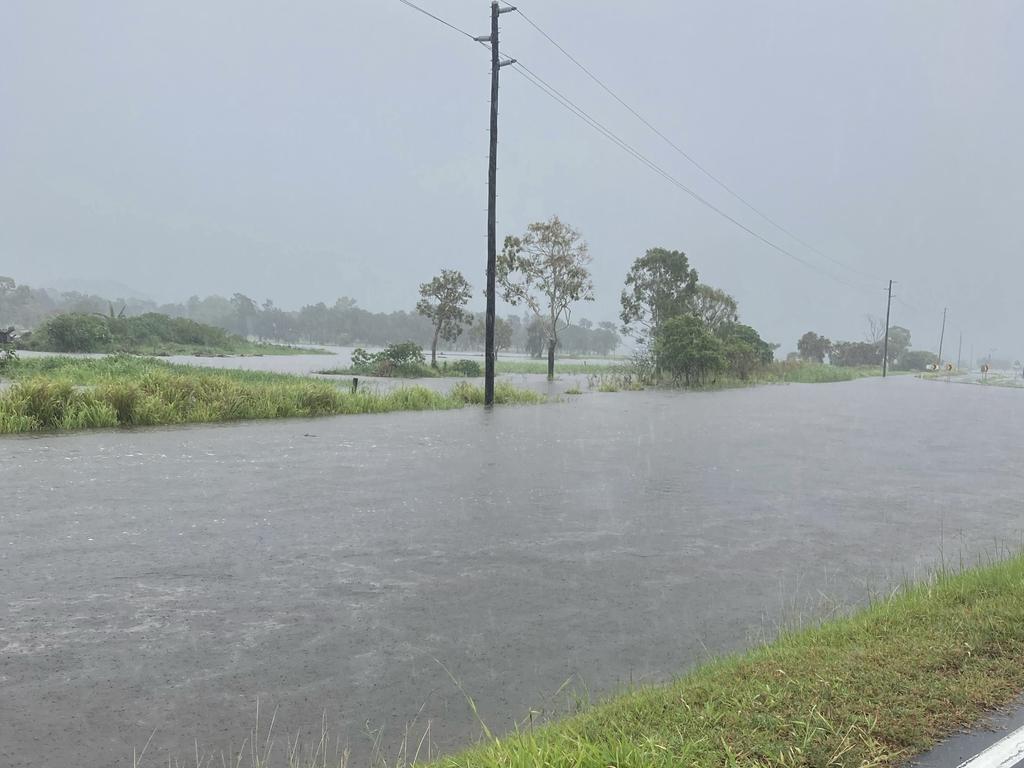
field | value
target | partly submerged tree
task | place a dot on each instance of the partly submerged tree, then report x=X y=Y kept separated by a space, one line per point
x=546 y=269
x=899 y=343
x=660 y=285
x=477 y=333
x=443 y=302
x=686 y=349
x=854 y=353
x=918 y=360
x=744 y=349
x=813 y=347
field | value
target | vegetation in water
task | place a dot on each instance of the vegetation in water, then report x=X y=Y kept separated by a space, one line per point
x=443 y=302
x=63 y=393
x=547 y=270
x=152 y=334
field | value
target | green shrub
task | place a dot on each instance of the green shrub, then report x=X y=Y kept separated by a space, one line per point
x=468 y=368
x=404 y=360
x=74 y=333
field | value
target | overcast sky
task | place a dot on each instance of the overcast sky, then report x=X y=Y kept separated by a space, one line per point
x=305 y=151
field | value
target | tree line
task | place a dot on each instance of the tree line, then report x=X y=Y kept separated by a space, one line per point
x=342 y=323
x=816 y=348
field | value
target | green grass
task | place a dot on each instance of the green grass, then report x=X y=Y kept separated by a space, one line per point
x=813 y=373
x=873 y=689
x=62 y=393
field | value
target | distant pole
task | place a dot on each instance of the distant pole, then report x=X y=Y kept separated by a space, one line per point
x=885 y=347
x=492 y=204
x=942 y=336
x=959 y=349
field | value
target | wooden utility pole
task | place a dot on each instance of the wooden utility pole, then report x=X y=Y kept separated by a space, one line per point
x=492 y=202
x=959 y=349
x=885 y=346
x=942 y=336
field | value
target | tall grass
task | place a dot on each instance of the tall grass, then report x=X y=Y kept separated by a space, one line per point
x=70 y=393
x=816 y=373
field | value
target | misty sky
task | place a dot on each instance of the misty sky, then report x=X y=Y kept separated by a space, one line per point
x=304 y=151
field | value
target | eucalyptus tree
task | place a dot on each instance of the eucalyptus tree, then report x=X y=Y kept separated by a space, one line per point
x=547 y=270
x=660 y=285
x=443 y=301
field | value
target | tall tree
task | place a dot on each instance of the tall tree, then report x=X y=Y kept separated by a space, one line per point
x=443 y=302
x=813 y=347
x=660 y=285
x=546 y=269
x=899 y=343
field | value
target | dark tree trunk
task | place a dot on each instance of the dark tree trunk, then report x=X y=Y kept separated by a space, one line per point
x=551 y=359
x=433 y=348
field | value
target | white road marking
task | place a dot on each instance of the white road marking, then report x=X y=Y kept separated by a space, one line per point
x=1005 y=753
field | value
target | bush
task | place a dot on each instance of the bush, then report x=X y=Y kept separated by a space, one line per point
x=687 y=350
x=745 y=350
x=405 y=359
x=918 y=360
x=468 y=368
x=74 y=333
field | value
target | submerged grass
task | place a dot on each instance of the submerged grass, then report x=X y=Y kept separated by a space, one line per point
x=873 y=689
x=600 y=365
x=62 y=393
x=500 y=367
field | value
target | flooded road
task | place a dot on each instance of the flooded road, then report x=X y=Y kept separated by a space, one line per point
x=166 y=578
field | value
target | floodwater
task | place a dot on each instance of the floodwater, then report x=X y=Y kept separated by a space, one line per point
x=166 y=578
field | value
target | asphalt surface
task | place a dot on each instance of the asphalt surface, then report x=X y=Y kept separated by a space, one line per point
x=962 y=747
x=166 y=578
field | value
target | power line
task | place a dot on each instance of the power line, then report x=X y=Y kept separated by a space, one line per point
x=567 y=103
x=687 y=155
x=425 y=12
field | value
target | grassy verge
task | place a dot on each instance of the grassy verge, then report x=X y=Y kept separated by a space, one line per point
x=870 y=690
x=62 y=393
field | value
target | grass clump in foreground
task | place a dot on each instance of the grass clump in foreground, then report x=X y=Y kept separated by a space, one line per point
x=870 y=690
x=61 y=393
